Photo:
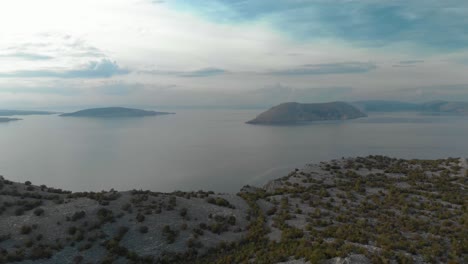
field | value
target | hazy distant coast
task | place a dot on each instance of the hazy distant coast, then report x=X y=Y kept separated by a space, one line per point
x=426 y=107
x=110 y=112
x=24 y=112
x=6 y=119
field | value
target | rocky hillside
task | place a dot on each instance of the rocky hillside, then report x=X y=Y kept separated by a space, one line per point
x=360 y=210
x=41 y=224
x=291 y=113
x=371 y=209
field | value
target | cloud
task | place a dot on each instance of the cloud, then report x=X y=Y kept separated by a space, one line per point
x=26 y=56
x=79 y=48
x=104 y=68
x=331 y=68
x=449 y=92
x=205 y=72
x=279 y=93
x=42 y=90
x=411 y=61
x=307 y=69
x=438 y=25
x=54 y=45
x=408 y=63
x=119 y=88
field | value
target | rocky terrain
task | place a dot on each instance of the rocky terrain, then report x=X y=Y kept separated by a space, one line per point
x=292 y=113
x=109 y=112
x=39 y=224
x=371 y=209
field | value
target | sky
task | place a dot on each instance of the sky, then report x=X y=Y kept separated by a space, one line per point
x=230 y=53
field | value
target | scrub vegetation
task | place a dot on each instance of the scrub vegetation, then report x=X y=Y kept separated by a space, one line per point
x=381 y=209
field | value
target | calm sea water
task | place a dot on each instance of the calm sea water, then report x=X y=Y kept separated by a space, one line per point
x=206 y=149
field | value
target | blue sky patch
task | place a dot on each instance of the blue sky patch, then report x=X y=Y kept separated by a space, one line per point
x=437 y=25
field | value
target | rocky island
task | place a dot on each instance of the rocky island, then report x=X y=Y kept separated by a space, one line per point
x=372 y=209
x=294 y=113
x=109 y=112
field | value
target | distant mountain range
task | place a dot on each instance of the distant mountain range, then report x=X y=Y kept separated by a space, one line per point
x=427 y=107
x=288 y=113
x=109 y=112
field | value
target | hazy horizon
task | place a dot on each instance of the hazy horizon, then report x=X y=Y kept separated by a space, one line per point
x=70 y=108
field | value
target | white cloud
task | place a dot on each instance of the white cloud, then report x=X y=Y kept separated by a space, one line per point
x=59 y=38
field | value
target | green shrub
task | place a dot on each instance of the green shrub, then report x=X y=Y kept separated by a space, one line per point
x=169 y=234
x=39 y=212
x=25 y=229
x=143 y=229
x=78 y=215
x=140 y=217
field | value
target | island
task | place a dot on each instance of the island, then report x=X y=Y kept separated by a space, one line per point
x=110 y=112
x=6 y=119
x=24 y=112
x=373 y=209
x=294 y=113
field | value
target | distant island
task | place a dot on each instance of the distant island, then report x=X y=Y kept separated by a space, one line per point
x=440 y=106
x=6 y=119
x=361 y=210
x=24 y=112
x=109 y=112
x=293 y=113
x=446 y=107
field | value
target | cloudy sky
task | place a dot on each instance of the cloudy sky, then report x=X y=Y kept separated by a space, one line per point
x=74 y=53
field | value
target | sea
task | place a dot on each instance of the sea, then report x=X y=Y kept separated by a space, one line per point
x=207 y=149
